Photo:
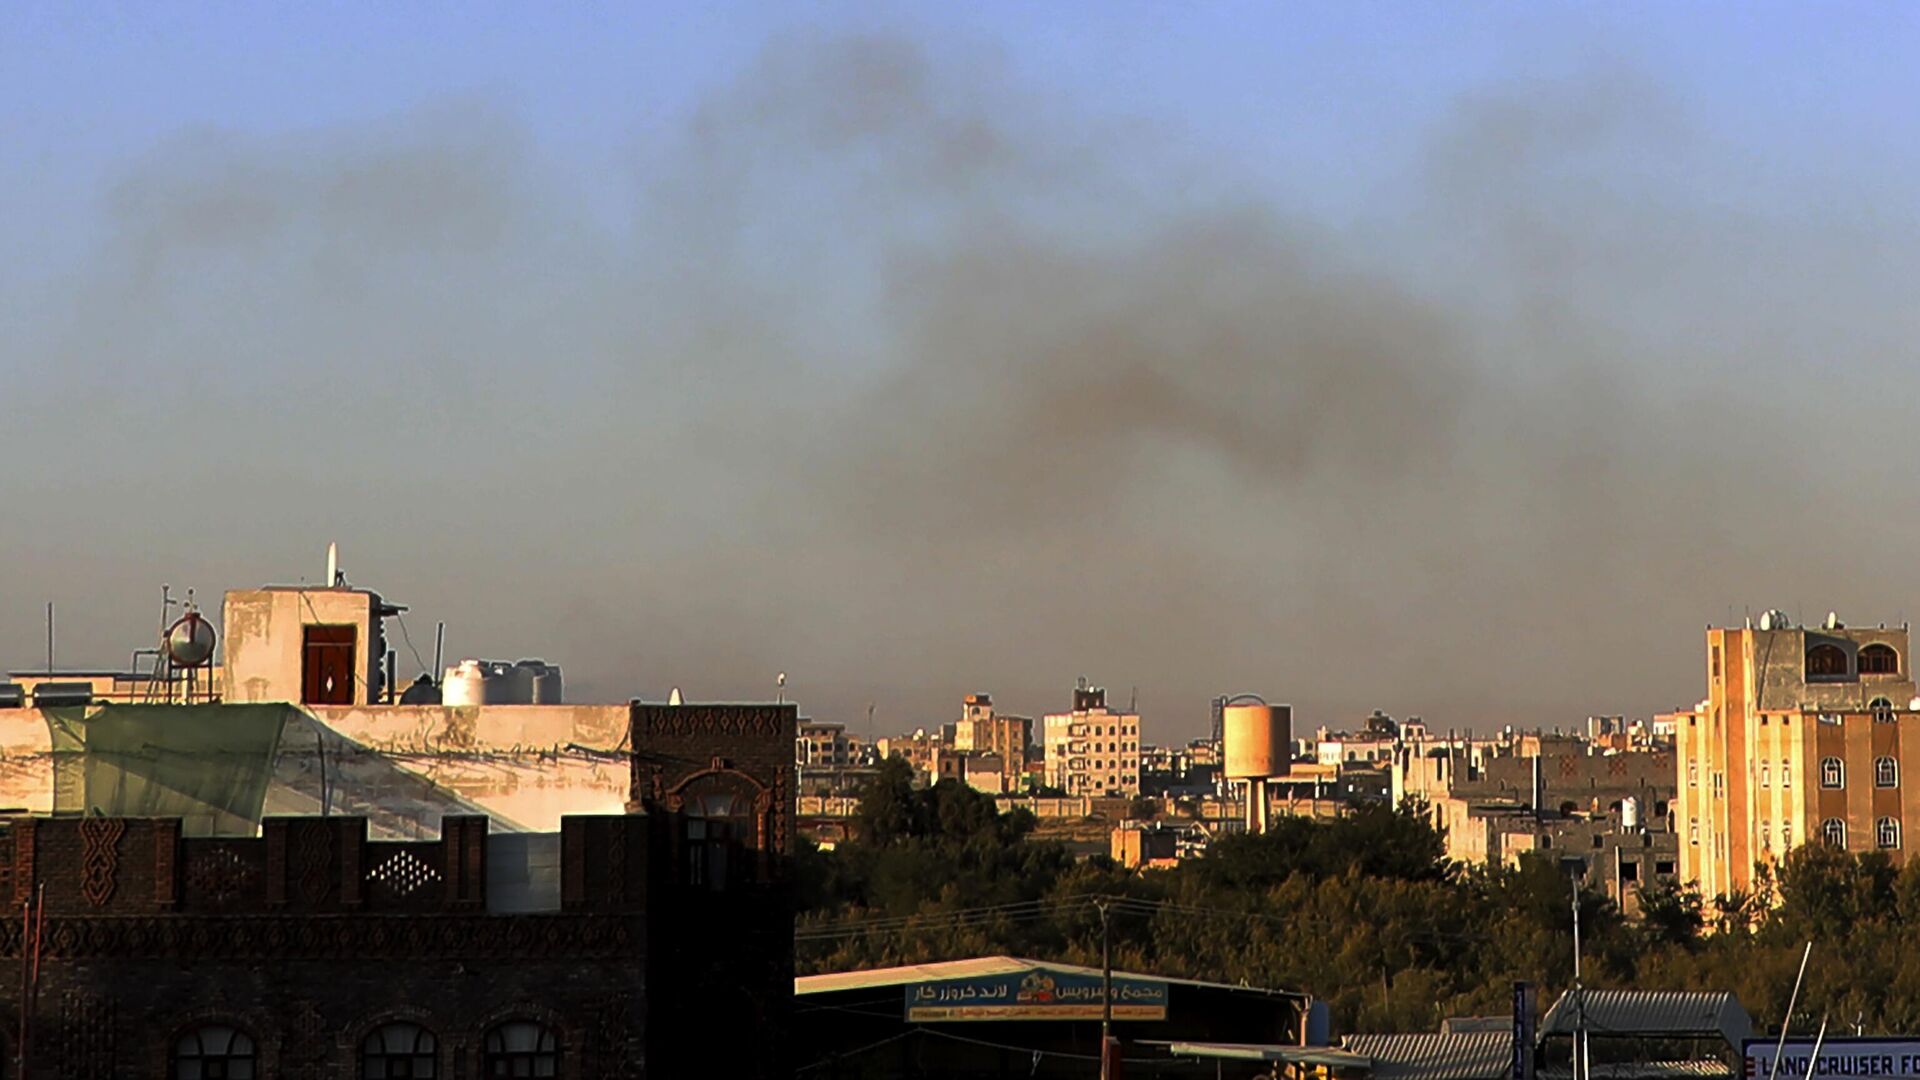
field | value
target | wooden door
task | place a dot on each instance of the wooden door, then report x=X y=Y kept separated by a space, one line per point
x=328 y=665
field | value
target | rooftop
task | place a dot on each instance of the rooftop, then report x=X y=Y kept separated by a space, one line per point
x=980 y=966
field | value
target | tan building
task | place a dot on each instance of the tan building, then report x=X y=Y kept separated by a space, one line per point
x=1093 y=750
x=1805 y=734
x=983 y=731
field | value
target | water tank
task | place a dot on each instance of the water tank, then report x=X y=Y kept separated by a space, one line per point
x=1257 y=737
x=48 y=695
x=546 y=684
x=12 y=695
x=422 y=692
x=465 y=684
x=190 y=641
x=507 y=683
x=1630 y=813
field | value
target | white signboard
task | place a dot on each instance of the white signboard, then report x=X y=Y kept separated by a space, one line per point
x=1842 y=1058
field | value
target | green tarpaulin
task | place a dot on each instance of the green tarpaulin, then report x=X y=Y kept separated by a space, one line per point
x=208 y=765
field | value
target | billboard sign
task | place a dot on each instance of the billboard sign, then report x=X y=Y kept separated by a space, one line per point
x=1038 y=994
x=1847 y=1058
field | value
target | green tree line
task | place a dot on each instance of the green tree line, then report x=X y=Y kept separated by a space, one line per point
x=1365 y=912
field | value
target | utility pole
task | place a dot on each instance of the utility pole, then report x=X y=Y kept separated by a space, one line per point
x=1106 y=989
x=1579 y=997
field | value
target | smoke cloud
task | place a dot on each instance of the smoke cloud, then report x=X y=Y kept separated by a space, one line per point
x=886 y=373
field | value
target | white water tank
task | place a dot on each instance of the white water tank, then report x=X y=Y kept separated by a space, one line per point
x=465 y=684
x=1258 y=737
x=1630 y=813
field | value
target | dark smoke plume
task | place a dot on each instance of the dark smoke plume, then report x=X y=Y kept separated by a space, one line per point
x=907 y=383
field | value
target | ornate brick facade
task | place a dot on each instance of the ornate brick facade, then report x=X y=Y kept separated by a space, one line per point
x=669 y=954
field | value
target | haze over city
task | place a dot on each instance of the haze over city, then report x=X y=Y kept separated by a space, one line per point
x=915 y=352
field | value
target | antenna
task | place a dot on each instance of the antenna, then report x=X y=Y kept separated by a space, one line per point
x=49 y=639
x=439 y=651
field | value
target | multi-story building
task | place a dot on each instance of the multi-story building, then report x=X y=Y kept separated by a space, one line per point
x=1093 y=750
x=1805 y=734
x=822 y=744
x=983 y=731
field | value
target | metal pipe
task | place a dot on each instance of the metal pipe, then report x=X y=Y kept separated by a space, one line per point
x=1781 y=1047
x=439 y=652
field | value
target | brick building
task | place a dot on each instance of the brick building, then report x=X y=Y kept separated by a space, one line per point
x=315 y=951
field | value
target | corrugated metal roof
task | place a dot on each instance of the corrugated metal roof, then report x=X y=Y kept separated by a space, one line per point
x=1704 y=1069
x=1477 y=1055
x=1461 y=1025
x=1296 y=1055
x=980 y=966
x=1667 y=1013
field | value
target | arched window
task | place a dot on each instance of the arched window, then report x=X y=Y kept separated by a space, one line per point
x=1833 y=773
x=1882 y=710
x=213 y=1052
x=1886 y=772
x=522 y=1048
x=399 y=1051
x=714 y=824
x=1886 y=832
x=1826 y=661
x=1878 y=659
x=1834 y=831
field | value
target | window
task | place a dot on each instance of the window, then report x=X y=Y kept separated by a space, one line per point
x=1833 y=773
x=1826 y=661
x=1719 y=784
x=1886 y=832
x=713 y=823
x=1886 y=772
x=1630 y=870
x=213 y=1052
x=1764 y=782
x=1786 y=835
x=1716 y=661
x=399 y=1051
x=1663 y=866
x=1882 y=710
x=1786 y=778
x=1693 y=833
x=1834 y=832
x=1598 y=841
x=1766 y=837
x=1693 y=774
x=522 y=1048
x=1877 y=659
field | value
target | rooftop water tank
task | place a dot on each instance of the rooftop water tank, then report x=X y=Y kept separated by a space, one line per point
x=422 y=692
x=51 y=694
x=1257 y=736
x=465 y=684
x=1630 y=813
x=190 y=641
x=546 y=682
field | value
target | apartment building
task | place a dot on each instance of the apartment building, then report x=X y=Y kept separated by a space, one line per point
x=1092 y=750
x=1005 y=739
x=1806 y=734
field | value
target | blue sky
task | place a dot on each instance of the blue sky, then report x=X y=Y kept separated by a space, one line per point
x=1472 y=308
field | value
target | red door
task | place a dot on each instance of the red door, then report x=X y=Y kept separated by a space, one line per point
x=327 y=671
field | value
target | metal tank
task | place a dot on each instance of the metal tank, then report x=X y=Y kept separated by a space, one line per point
x=190 y=641
x=1258 y=740
x=1630 y=813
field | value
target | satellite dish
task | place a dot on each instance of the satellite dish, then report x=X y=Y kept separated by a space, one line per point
x=674 y=697
x=1833 y=620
